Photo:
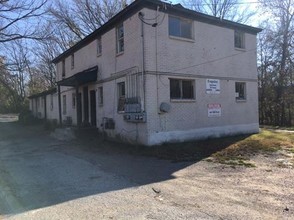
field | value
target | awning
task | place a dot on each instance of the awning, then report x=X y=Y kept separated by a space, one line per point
x=84 y=77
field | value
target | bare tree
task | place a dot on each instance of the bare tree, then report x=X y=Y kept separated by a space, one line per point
x=71 y=21
x=16 y=18
x=223 y=9
x=276 y=66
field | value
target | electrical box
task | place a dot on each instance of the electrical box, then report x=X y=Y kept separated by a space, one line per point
x=135 y=117
x=108 y=123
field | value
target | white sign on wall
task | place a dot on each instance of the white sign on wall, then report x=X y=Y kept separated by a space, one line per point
x=212 y=86
x=214 y=110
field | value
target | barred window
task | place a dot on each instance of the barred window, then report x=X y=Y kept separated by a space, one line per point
x=121 y=96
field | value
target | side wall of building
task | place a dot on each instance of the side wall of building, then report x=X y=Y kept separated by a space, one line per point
x=211 y=54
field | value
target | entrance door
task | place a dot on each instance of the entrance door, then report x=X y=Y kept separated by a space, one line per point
x=93 y=107
x=86 y=105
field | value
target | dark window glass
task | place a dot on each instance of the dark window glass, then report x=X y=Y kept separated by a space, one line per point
x=121 y=96
x=120 y=38
x=175 y=89
x=188 y=90
x=239 y=39
x=180 y=27
x=181 y=89
x=240 y=91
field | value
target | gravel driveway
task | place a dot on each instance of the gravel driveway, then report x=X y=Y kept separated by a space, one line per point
x=43 y=178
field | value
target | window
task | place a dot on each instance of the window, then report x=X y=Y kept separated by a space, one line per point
x=73 y=100
x=51 y=102
x=121 y=96
x=182 y=89
x=179 y=27
x=72 y=61
x=240 y=89
x=120 y=47
x=100 y=95
x=239 y=39
x=64 y=104
x=63 y=68
x=99 y=46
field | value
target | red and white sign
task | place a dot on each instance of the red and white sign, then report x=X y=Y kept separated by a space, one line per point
x=214 y=110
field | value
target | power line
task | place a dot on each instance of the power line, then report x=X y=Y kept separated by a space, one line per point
x=236 y=3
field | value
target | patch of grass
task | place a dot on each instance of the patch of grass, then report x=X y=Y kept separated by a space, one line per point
x=265 y=142
x=234 y=151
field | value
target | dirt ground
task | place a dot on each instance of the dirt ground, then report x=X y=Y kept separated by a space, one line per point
x=45 y=178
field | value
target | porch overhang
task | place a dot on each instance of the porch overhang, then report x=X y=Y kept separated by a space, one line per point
x=81 y=78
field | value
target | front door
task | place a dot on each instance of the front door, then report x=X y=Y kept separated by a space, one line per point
x=93 y=107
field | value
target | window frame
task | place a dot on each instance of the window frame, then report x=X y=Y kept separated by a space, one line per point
x=239 y=36
x=100 y=96
x=181 y=22
x=121 y=97
x=120 y=45
x=242 y=85
x=63 y=68
x=73 y=100
x=51 y=102
x=72 y=61
x=181 y=90
x=99 y=46
x=64 y=104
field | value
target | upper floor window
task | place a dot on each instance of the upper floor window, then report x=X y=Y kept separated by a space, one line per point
x=240 y=89
x=239 y=39
x=120 y=47
x=72 y=61
x=63 y=68
x=182 y=89
x=179 y=27
x=99 y=46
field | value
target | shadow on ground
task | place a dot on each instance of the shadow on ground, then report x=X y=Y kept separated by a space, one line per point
x=38 y=171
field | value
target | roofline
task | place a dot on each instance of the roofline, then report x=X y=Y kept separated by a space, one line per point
x=152 y=4
x=44 y=93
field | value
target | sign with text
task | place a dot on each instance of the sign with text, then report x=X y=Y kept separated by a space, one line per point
x=214 y=110
x=212 y=86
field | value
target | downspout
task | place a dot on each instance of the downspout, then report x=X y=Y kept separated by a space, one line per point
x=59 y=106
x=143 y=61
x=156 y=64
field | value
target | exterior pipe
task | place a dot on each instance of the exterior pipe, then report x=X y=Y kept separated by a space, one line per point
x=143 y=60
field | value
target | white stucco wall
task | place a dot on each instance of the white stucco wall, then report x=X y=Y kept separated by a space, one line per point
x=52 y=107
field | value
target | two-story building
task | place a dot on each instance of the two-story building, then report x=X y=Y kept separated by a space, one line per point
x=44 y=105
x=158 y=72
